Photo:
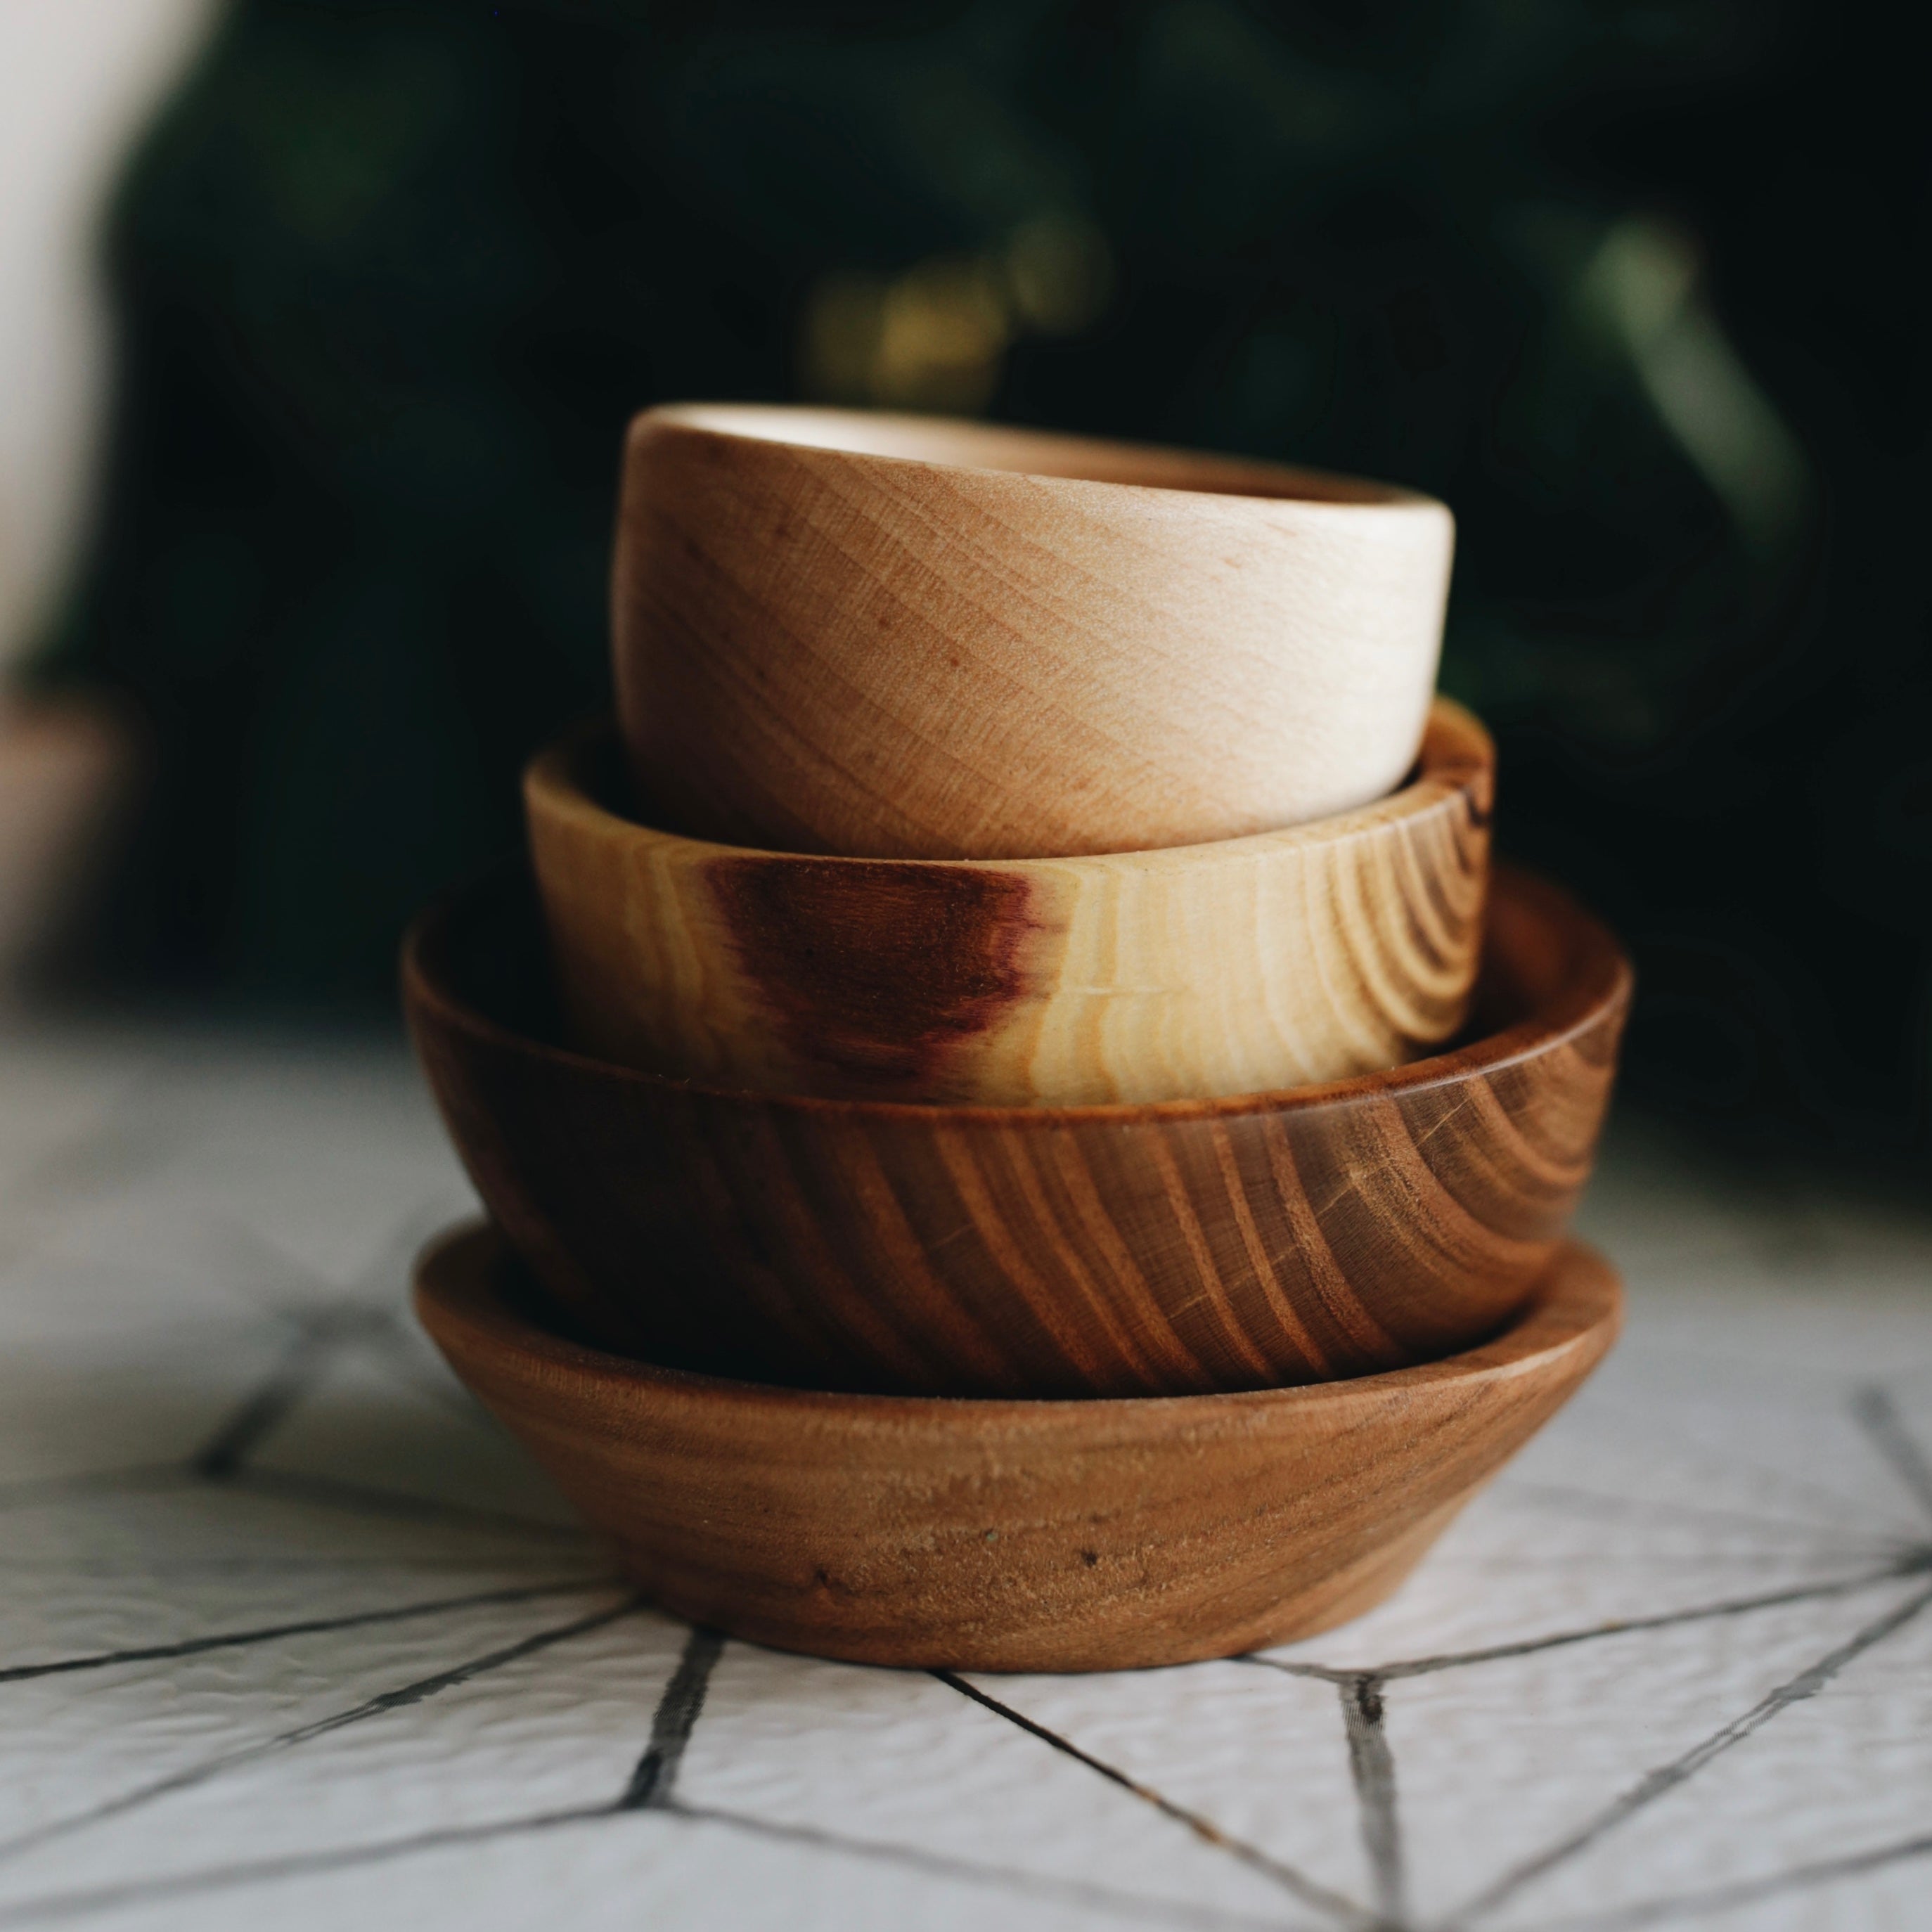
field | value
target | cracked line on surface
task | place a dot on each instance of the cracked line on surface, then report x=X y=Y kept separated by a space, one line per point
x=262 y=1409
x=1914 y=1564
x=339 y=1315
x=486 y=1562
x=1747 y=1891
x=403 y=1697
x=1665 y=1778
x=51 y=1907
x=1901 y=1451
x=1332 y=1904
x=1372 y=1765
x=55 y=1907
x=195 y=1646
x=1140 y=1905
x=377 y=1326
x=655 y=1781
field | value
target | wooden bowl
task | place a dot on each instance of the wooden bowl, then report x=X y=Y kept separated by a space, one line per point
x=888 y=637
x=1013 y=1535
x=1330 y=949
x=1162 y=1249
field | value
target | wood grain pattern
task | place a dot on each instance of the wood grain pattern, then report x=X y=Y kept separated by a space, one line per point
x=894 y=637
x=1291 y=957
x=1014 y=1536
x=1242 y=1243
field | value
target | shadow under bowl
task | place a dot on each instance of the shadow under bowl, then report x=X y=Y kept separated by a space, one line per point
x=1169 y=1249
x=1092 y=1535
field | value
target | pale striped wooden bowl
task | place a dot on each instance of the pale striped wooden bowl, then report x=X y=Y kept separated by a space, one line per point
x=1247 y=965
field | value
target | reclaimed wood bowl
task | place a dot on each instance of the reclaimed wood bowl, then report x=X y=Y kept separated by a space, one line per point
x=890 y=637
x=1278 y=960
x=1096 y=1535
x=1168 y=1248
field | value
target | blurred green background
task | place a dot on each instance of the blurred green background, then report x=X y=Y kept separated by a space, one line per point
x=1633 y=287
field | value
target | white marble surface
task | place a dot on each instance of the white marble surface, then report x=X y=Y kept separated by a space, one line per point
x=290 y=1636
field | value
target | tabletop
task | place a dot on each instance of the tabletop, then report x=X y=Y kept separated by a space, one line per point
x=291 y=1633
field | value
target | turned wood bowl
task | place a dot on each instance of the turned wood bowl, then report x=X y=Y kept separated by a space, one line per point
x=888 y=637
x=1311 y=954
x=1165 y=1249
x=1097 y=1535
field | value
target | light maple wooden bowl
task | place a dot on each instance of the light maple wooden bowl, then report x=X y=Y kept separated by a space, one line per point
x=1280 y=960
x=891 y=637
x=1166 y=1248
x=1012 y=1535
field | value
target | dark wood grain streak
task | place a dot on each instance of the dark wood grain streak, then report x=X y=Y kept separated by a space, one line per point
x=871 y=973
x=1171 y=1248
x=1013 y=1535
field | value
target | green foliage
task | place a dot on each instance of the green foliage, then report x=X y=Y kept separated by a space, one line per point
x=393 y=277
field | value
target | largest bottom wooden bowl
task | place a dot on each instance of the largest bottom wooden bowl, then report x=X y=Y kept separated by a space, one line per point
x=1174 y=1249
x=1090 y=1535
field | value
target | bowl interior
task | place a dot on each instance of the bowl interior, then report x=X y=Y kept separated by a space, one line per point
x=943 y=441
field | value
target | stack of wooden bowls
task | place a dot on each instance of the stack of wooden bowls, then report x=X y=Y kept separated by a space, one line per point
x=1021 y=1129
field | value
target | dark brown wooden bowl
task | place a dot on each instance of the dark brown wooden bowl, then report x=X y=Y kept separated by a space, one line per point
x=1013 y=1535
x=1169 y=1249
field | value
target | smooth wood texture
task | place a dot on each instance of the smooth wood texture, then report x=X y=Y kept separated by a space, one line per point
x=1005 y=1535
x=890 y=637
x=1168 y=1248
x=1330 y=949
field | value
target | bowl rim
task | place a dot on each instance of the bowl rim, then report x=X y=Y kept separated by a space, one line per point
x=1456 y=755
x=1578 y=1296
x=1595 y=984
x=1252 y=480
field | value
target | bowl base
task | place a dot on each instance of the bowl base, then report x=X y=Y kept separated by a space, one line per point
x=935 y=1532
x=1331 y=1600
